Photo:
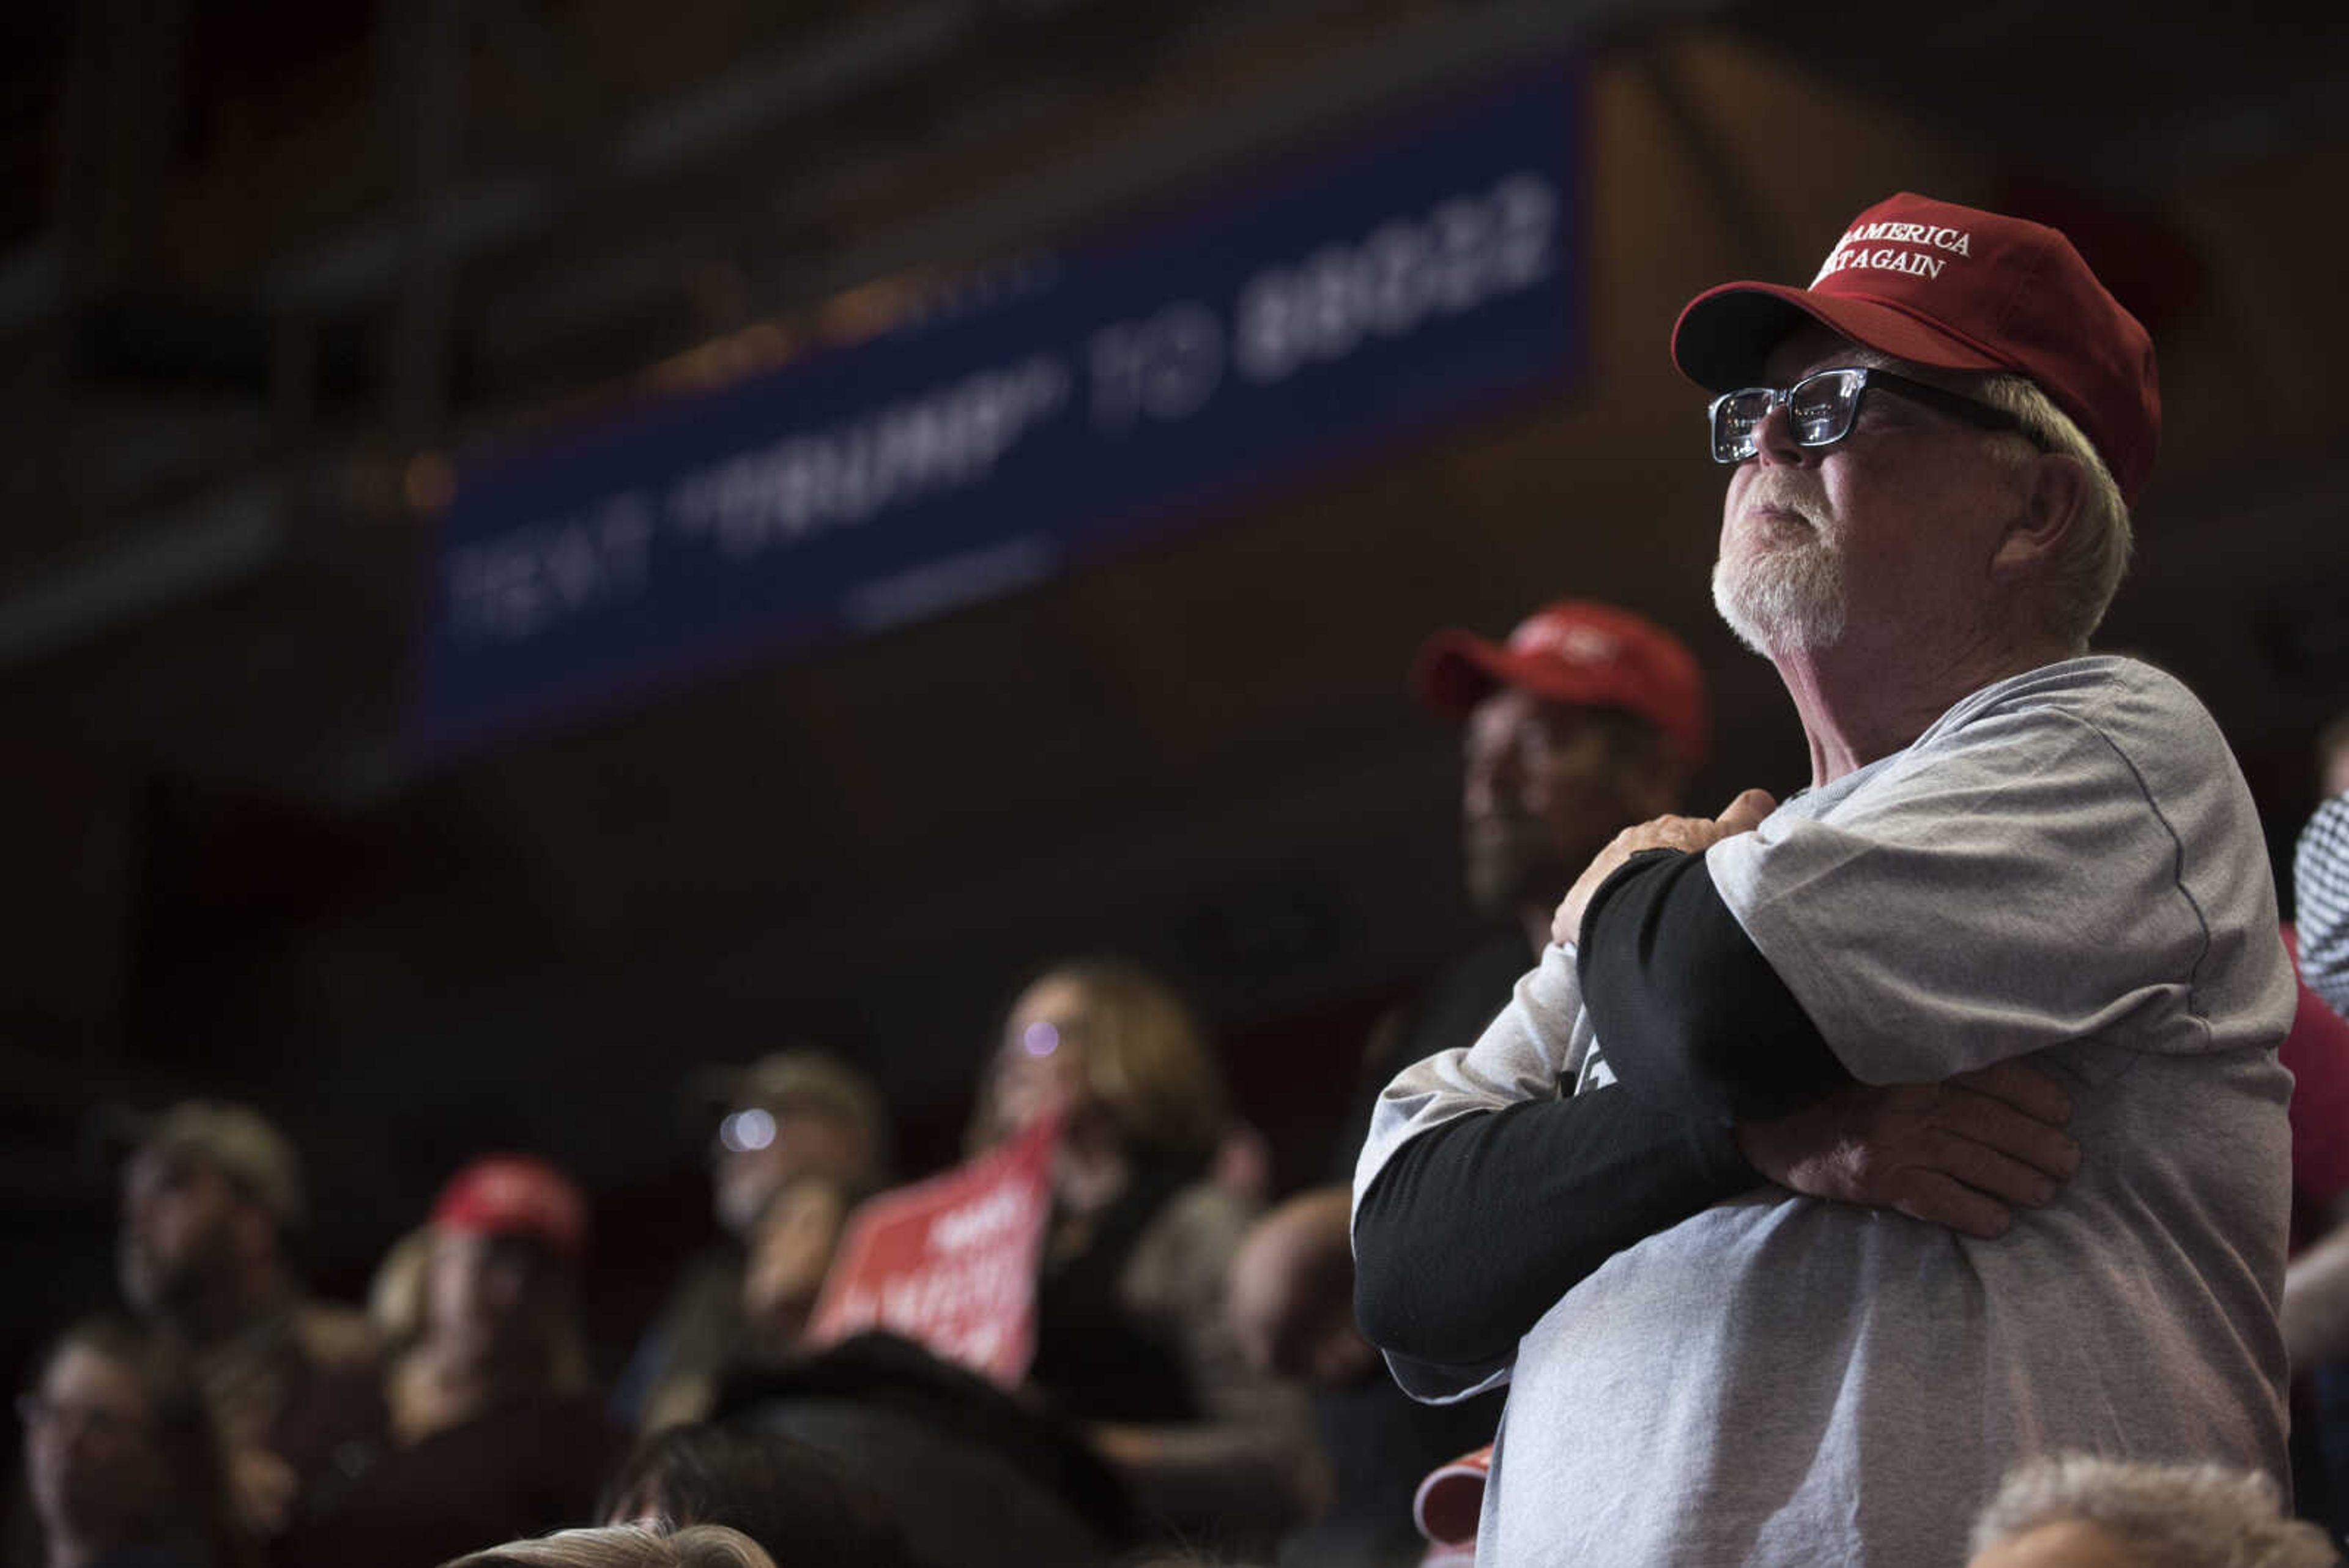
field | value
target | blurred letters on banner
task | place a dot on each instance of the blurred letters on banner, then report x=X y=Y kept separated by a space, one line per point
x=1076 y=404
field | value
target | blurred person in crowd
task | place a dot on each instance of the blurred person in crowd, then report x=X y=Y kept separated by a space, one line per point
x=2078 y=1512
x=1292 y=1309
x=395 y=1298
x=496 y=1429
x=1635 y=1200
x=2320 y=880
x=1588 y=720
x=1132 y=1334
x=796 y=1501
x=2332 y=758
x=500 y=1299
x=213 y=1200
x=1291 y=1297
x=626 y=1546
x=801 y=1139
x=2315 y=1311
x=2316 y=1289
x=2316 y=1285
x=122 y=1455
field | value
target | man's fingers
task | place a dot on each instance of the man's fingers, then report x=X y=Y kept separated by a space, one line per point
x=1998 y=1125
x=1986 y=1170
x=1746 y=812
x=2025 y=1088
x=1941 y=1201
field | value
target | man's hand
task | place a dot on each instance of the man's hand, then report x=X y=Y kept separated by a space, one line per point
x=1963 y=1153
x=1693 y=834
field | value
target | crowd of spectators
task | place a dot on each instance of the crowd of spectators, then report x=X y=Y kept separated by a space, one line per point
x=1202 y=1385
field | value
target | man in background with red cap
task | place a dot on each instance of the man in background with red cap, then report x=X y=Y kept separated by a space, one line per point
x=1635 y=1200
x=1588 y=720
x=496 y=1430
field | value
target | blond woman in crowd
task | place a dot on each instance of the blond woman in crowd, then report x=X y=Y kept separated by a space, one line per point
x=1132 y=1336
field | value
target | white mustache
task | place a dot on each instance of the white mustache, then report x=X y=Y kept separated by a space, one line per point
x=1783 y=491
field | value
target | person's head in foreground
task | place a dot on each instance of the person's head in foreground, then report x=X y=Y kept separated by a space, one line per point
x=121 y=1453
x=1589 y=719
x=625 y=1546
x=2081 y=1512
x=1935 y=447
x=799 y=1502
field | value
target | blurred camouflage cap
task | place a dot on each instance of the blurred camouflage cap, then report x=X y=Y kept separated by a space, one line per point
x=800 y=1079
x=234 y=1139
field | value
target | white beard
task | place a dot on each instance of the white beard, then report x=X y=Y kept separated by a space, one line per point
x=1785 y=600
x=1783 y=597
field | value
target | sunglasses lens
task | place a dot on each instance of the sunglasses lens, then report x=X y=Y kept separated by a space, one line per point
x=1821 y=407
x=1734 y=419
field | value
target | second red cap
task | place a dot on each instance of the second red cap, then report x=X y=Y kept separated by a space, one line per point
x=516 y=1195
x=1574 y=650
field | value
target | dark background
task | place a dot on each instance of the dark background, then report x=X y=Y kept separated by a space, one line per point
x=264 y=269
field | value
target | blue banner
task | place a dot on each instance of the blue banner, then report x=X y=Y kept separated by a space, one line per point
x=1412 y=277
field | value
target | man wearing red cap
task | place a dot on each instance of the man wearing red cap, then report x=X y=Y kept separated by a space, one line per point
x=1588 y=720
x=1727 y=1340
x=496 y=1431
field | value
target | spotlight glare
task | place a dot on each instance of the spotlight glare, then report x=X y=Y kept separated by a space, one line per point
x=747 y=1130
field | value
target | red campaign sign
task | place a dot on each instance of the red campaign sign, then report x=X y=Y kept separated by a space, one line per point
x=950 y=1263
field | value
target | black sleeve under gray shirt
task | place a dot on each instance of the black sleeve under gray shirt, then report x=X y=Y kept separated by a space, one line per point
x=1474 y=1228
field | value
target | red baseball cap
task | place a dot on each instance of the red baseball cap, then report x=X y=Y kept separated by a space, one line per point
x=1592 y=654
x=1961 y=289
x=516 y=1195
x=1451 y=1498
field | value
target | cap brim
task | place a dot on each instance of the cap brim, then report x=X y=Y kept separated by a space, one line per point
x=1451 y=1500
x=1457 y=669
x=1725 y=334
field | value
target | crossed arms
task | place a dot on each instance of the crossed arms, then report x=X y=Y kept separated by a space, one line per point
x=1474 y=1228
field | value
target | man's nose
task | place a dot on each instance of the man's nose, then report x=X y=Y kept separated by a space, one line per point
x=503 y=1287
x=1774 y=443
x=1496 y=772
x=1487 y=785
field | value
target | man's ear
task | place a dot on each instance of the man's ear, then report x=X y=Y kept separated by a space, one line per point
x=2054 y=502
